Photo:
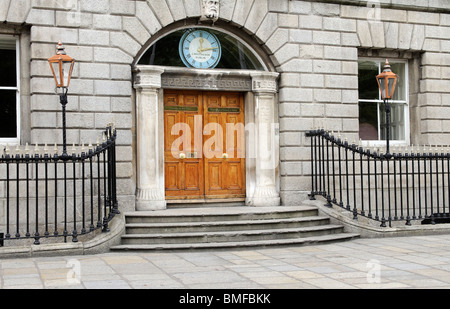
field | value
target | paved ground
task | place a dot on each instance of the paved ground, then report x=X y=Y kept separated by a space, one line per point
x=409 y=262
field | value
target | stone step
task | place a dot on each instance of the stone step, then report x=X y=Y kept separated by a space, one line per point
x=228 y=227
x=323 y=239
x=231 y=236
x=216 y=226
x=210 y=214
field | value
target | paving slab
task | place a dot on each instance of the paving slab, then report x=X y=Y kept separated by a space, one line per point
x=382 y=263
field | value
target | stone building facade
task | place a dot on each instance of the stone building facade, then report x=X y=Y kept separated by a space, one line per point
x=312 y=56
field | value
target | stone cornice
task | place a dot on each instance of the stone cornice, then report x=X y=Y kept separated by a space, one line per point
x=423 y=5
x=219 y=80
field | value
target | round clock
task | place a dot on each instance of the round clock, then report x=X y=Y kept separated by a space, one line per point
x=200 y=49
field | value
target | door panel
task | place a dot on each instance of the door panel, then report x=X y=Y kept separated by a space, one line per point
x=183 y=167
x=204 y=144
x=228 y=161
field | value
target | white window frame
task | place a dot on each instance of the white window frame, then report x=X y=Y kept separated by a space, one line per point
x=14 y=140
x=381 y=142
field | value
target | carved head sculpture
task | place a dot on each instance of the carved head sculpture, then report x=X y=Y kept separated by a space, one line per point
x=210 y=10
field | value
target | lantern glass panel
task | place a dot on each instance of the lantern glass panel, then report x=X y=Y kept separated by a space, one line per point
x=55 y=67
x=391 y=86
x=382 y=83
x=66 y=70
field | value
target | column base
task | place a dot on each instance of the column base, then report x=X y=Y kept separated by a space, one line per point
x=150 y=199
x=150 y=205
x=263 y=201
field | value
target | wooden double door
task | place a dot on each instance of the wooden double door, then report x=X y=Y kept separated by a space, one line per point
x=204 y=145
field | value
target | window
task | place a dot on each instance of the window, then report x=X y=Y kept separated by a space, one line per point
x=235 y=53
x=9 y=89
x=372 y=116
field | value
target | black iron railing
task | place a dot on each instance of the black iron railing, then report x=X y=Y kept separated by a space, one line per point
x=403 y=186
x=45 y=195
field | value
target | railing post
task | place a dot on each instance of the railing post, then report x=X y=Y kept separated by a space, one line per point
x=375 y=158
x=36 y=232
x=328 y=204
x=431 y=188
x=369 y=155
x=17 y=195
x=346 y=176
x=355 y=212
x=448 y=182
x=322 y=136
x=312 y=135
x=106 y=203
x=46 y=159
x=7 y=200
x=333 y=142
x=401 y=159
x=74 y=232
x=394 y=159
x=91 y=182
x=419 y=191
x=413 y=159
x=341 y=203
x=360 y=151
x=383 y=219
x=443 y=184
x=83 y=208
x=114 y=175
x=56 y=159
x=408 y=217
x=27 y=164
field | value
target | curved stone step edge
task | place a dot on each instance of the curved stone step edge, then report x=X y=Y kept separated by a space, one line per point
x=225 y=223
x=258 y=243
x=220 y=214
x=329 y=227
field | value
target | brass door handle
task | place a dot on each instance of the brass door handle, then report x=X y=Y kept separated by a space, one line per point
x=182 y=156
x=225 y=155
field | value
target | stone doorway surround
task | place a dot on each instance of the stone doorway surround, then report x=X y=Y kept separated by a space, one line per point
x=261 y=121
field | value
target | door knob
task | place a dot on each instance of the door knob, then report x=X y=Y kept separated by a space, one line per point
x=225 y=155
x=182 y=156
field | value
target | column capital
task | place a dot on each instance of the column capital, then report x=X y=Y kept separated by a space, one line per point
x=264 y=82
x=147 y=77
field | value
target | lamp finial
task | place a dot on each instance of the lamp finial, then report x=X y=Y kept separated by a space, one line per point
x=60 y=49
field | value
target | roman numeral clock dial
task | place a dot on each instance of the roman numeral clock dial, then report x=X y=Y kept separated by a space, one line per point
x=200 y=49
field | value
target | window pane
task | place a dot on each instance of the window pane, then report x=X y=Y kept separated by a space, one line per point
x=368 y=87
x=8 y=68
x=8 y=113
x=397 y=122
x=368 y=121
x=400 y=70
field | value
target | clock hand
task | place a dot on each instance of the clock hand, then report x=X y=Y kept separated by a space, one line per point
x=210 y=48
x=200 y=49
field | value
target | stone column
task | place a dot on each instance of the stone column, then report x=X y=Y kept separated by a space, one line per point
x=265 y=141
x=150 y=193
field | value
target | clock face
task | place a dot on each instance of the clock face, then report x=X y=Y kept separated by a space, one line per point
x=200 y=49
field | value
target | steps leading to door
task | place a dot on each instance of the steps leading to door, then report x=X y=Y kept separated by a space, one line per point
x=228 y=227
